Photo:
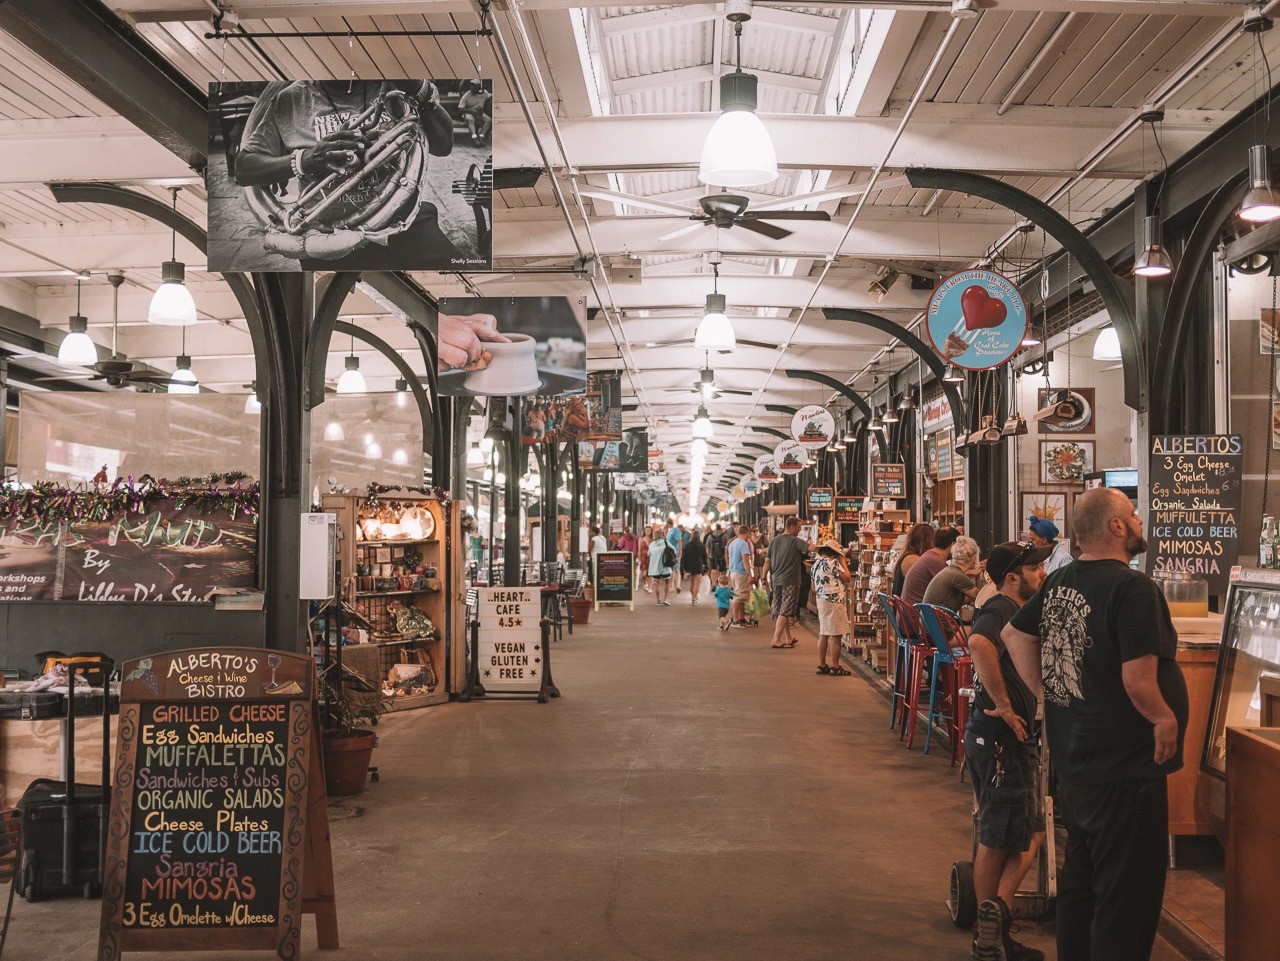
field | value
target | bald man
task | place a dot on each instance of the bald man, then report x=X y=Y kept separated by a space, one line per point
x=1098 y=643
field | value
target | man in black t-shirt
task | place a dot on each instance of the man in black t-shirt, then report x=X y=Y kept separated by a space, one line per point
x=1002 y=754
x=1097 y=638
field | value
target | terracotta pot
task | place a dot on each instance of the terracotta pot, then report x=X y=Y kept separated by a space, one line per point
x=579 y=610
x=346 y=761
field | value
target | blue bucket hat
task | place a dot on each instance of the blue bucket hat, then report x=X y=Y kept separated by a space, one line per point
x=1043 y=527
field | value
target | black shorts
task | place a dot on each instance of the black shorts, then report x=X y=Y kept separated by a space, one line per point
x=1008 y=811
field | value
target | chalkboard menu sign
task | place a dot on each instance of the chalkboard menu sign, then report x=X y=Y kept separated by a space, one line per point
x=1195 y=506
x=889 y=480
x=217 y=804
x=821 y=498
x=513 y=656
x=848 y=508
x=614 y=578
x=944 y=454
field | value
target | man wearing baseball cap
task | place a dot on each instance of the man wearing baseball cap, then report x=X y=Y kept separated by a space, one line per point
x=1001 y=753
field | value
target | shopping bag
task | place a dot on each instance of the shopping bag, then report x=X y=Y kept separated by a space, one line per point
x=758 y=604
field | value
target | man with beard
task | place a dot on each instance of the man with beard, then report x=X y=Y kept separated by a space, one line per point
x=1097 y=638
x=1001 y=751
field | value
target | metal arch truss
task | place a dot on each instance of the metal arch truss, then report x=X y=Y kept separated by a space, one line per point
x=415 y=384
x=1118 y=296
x=844 y=390
x=927 y=355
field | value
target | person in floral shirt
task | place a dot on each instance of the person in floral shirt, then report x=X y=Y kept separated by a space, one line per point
x=830 y=575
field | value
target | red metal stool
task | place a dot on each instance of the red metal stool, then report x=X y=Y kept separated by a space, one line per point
x=917 y=665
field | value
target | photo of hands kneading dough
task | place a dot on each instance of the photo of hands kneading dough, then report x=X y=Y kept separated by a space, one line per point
x=512 y=346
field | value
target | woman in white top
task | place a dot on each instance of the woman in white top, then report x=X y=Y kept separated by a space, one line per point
x=830 y=574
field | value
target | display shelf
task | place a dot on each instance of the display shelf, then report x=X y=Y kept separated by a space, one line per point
x=418 y=590
x=878 y=530
x=407 y=542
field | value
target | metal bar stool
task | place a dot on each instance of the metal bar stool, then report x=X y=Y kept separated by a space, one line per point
x=953 y=671
x=897 y=700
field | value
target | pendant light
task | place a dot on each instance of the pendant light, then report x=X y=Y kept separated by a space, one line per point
x=1153 y=260
x=399 y=457
x=738 y=151
x=702 y=429
x=715 y=332
x=707 y=383
x=352 y=381
x=171 y=304
x=1261 y=204
x=953 y=376
x=890 y=415
x=373 y=451
x=699 y=449
x=1107 y=346
x=333 y=431
x=402 y=392
x=77 y=347
x=183 y=381
x=251 y=403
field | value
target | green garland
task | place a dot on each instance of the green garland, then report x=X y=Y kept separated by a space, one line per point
x=375 y=492
x=52 y=502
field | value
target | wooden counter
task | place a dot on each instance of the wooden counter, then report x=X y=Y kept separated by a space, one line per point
x=1253 y=842
x=1198 y=641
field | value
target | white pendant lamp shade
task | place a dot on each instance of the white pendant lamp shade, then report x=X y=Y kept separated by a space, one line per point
x=183 y=381
x=373 y=451
x=76 y=347
x=1152 y=260
x=352 y=381
x=475 y=457
x=738 y=151
x=699 y=449
x=399 y=457
x=1261 y=204
x=251 y=403
x=171 y=304
x=333 y=431
x=402 y=392
x=1107 y=346
x=715 y=332
x=702 y=429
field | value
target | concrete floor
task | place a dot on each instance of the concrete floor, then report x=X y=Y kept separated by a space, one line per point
x=692 y=795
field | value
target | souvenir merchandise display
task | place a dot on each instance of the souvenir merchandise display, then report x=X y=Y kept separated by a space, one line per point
x=399 y=553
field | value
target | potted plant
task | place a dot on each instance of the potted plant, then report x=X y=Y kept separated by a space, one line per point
x=348 y=744
x=580 y=609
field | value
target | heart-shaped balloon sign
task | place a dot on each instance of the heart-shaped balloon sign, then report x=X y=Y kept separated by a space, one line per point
x=981 y=310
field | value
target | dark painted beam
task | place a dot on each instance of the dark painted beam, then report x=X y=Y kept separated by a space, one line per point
x=93 y=47
x=844 y=390
x=1116 y=294
x=318 y=339
x=781 y=409
x=928 y=356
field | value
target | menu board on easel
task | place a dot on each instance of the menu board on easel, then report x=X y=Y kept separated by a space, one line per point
x=219 y=826
x=614 y=578
x=1195 y=506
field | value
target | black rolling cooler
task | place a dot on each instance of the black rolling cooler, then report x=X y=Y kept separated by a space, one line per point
x=64 y=832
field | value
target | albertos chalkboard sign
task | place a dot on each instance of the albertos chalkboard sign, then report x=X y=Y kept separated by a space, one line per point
x=1195 y=506
x=219 y=833
x=889 y=480
x=614 y=578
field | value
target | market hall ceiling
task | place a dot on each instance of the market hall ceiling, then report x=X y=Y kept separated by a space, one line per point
x=1032 y=92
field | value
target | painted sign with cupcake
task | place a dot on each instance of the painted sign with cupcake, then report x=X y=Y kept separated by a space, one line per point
x=977 y=319
x=512 y=346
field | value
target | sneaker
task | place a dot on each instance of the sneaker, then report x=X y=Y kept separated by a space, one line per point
x=990 y=932
x=737 y=624
x=666 y=603
x=695 y=601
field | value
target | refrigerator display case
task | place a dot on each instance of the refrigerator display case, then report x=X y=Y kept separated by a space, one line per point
x=1248 y=664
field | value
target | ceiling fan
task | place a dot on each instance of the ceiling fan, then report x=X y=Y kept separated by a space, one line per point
x=116 y=373
x=730 y=210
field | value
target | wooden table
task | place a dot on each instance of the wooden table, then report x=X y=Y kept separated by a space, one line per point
x=1198 y=642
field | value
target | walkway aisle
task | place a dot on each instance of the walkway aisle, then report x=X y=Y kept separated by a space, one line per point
x=693 y=795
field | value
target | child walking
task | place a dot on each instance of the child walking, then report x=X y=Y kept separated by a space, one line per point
x=724 y=597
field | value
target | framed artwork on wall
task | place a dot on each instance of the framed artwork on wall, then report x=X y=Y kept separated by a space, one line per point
x=1065 y=461
x=1051 y=505
x=1082 y=423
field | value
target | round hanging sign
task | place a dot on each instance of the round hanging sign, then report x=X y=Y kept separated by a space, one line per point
x=791 y=456
x=813 y=427
x=739 y=493
x=766 y=469
x=977 y=319
x=751 y=484
x=722 y=506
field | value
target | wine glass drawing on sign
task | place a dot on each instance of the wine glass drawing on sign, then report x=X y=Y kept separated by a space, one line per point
x=273 y=661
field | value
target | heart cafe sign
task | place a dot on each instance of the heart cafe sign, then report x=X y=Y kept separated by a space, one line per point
x=977 y=319
x=813 y=427
x=766 y=469
x=791 y=457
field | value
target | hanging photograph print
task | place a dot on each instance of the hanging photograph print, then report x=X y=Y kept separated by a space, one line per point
x=813 y=427
x=766 y=469
x=555 y=420
x=350 y=175
x=977 y=319
x=512 y=346
x=1065 y=462
x=630 y=453
x=791 y=457
x=1080 y=423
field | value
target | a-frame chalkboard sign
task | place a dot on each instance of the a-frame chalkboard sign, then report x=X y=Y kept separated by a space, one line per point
x=219 y=826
